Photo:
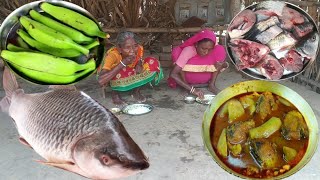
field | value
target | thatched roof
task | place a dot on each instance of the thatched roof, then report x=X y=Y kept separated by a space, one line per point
x=116 y=13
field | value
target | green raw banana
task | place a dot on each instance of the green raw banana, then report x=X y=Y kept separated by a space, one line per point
x=70 y=32
x=14 y=48
x=46 y=63
x=50 y=78
x=21 y=43
x=48 y=49
x=50 y=36
x=74 y=19
x=93 y=44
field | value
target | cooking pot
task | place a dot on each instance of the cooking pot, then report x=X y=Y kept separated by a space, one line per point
x=262 y=86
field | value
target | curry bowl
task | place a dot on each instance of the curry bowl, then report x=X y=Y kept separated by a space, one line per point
x=287 y=97
x=267 y=40
x=9 y=35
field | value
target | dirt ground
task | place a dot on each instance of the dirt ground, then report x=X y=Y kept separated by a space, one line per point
x=170 y=136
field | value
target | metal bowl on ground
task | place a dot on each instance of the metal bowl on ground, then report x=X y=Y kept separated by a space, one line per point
x=11 y=24
x=115 y=110
x=206 y=100
x=254 y=72
x=189 y=99
x=261 y=86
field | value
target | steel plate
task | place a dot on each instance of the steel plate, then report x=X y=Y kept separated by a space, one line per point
x=137 y=109
x=255 y=73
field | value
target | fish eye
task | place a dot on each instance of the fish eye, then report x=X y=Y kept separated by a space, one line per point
x=105 y=159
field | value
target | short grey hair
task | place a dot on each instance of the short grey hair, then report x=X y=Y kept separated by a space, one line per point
x=123 y=36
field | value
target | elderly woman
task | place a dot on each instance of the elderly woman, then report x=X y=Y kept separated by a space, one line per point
x=198 y=61
x=125 y=69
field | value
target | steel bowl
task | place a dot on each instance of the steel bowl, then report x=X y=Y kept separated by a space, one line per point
x=11 y=24
x=262 y=86
x=189 y=99
x=252 y=72
x=115 y=110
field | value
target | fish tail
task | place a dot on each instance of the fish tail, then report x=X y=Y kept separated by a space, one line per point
x=10 y=85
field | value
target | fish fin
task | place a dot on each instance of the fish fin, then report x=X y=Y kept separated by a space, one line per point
x=5 y=104
x=68 y=166
x=23 y=141
x=68 y=87
x=10 y=83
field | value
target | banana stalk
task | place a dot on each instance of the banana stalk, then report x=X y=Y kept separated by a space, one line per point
x=46 y=63
x=51 y=78
x=50 y=36
x=70 y=32
x=74 y=19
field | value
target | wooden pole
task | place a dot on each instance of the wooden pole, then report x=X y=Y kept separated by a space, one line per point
x=235 y=6
x=164 y=30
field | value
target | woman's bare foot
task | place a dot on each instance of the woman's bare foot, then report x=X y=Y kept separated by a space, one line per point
x=116 y=99
x=214 y=89
x=138 y=96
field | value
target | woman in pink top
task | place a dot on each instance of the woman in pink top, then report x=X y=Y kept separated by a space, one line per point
x=198 y=61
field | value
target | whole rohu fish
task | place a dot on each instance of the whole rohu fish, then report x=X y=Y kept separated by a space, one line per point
x=72 y=131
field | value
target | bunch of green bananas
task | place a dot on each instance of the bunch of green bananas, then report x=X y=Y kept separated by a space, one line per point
x=49 y=42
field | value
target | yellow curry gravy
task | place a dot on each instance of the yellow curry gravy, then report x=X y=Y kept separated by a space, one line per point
x=240 y=164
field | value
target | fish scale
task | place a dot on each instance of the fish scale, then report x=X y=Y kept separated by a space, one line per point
x=72 y=131
x=61 y=118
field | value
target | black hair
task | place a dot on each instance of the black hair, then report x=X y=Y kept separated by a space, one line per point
x=204 y=40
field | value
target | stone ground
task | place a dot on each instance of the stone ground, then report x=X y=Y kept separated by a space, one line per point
x=170 y=136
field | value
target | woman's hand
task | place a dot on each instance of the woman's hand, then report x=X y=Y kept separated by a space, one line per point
x=198 y=93
x=128 y=60
x=139 y=67
x=221 y=66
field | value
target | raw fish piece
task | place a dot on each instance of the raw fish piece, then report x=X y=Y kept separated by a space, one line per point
x=264 y=14
x=248 y=53
x=302 y=30
x=292 y=61
x=282 y=41
x=262 y=26
x=271 y=68
x=269 y=34
x=241 y=24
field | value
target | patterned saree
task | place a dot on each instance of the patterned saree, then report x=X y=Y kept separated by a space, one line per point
x=127 y=79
